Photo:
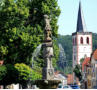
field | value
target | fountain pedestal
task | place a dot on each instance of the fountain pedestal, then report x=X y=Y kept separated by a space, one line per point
x=48 y=81
x=47 y=84
x=48 y=70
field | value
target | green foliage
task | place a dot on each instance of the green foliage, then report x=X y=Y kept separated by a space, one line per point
x=40 y=7
x=77 y=71
x=56 y=53
x=66 y=42
x=36 y=75
x=22 y=24
x=81 y=61
x=3 y=72
x=1 y=4
x=26 y=73
x=15 y=37
x=39 y=61
x=66 y=70
x=21 y=31
x=3 y=51
x=10 y=75
x=94 y=37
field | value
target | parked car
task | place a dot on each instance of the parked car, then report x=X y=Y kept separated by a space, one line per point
x=75 y=87
x=95 y=87
x=60 y=86
x=67 y=87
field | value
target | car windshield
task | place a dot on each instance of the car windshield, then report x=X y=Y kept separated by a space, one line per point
x=75 y=86
x=60 y=86
x=65 y=86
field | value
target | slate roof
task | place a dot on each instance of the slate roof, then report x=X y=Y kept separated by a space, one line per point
x=81 y=27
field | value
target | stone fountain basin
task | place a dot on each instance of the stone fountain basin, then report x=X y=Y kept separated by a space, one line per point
x=47 y=84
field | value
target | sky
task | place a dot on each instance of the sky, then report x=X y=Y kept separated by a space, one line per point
x=69 y=11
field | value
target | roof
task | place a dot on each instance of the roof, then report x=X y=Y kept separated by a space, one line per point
x=95 y=54
x=81 y=27
x=85 y=62
x=69 y=79
x=60 y=77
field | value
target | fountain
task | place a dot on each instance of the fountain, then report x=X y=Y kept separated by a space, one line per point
x=36 y=52
x=47 y=81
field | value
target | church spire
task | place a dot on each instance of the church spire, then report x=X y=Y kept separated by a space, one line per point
x=81 y=27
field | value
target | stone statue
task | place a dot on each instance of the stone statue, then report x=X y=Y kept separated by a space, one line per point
x=48 y=52
x=47 y=28
x=48 y=70
x=47 y=22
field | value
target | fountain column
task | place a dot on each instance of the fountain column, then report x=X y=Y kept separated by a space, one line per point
x=48 y=70
x=47 y=81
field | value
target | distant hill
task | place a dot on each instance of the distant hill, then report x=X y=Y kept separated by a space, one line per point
x=66 y=42
x=94 y=41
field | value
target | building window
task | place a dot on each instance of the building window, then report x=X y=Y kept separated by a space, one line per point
x=87 y=40
x=81 y=40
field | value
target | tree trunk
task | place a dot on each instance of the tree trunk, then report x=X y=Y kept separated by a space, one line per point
x=5 y=86
x=24 y=86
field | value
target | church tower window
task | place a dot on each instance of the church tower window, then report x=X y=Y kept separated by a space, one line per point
x=87 y=40
x=81 y=40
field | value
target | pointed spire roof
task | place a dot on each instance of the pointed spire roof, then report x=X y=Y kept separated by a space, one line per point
x=81 y=27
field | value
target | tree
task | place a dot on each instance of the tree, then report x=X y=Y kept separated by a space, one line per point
x=81 y=62
x=9 y=74
x=3 y=71
x=94 y=35
x=56 y=53
x=38 y=8
x=22 y=26
x=77 y=71
x=15 y=39
x=26 y=74
x=66 y=42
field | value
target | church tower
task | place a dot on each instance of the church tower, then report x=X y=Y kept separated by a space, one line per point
x=82 y=40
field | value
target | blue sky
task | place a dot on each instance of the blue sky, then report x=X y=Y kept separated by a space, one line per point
x=69 y=12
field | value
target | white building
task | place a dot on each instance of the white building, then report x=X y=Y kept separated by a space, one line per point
x=82 y=40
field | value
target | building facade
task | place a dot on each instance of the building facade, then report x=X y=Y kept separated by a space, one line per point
x=86 y=73
x=94 y=69
x=82 y=40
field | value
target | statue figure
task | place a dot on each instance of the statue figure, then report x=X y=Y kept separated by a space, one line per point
x=48 y=52
x=47 y=22
x=47 y=28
